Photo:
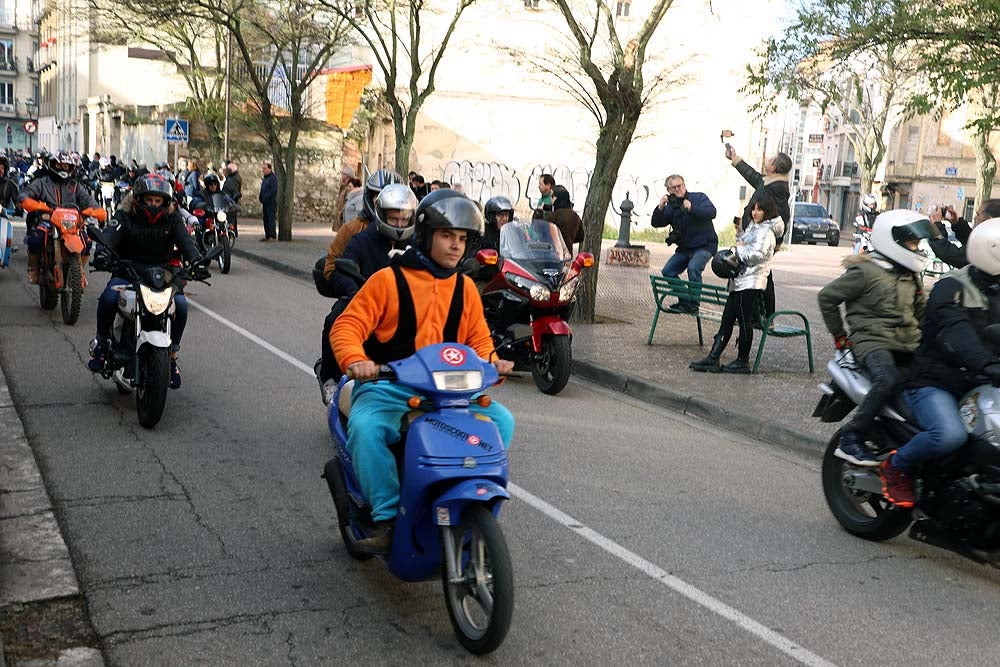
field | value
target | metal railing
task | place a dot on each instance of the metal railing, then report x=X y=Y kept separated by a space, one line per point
x=849 y=169
x=8 y=64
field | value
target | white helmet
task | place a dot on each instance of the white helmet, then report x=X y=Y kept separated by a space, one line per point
x=892 y=229
x=395 y=197
x=983 y=248
x=869 y=204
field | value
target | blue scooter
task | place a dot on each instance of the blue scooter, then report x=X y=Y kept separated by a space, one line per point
x=6 y=238
x=453 y=476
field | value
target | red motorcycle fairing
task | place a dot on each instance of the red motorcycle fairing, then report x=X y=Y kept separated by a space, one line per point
x=552 y=325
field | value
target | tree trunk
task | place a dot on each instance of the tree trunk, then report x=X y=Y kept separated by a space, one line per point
x=986 y=165
x=612 y=143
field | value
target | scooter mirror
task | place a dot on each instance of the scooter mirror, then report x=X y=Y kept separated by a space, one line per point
x=487 y=257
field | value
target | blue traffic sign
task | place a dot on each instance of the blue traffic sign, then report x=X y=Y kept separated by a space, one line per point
x=176 y=130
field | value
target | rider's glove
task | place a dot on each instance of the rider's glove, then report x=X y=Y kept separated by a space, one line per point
x=101 y=260
x=842 y=343
x=200 y=273
x=992 y=371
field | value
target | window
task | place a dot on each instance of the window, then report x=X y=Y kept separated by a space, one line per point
x=531 y=4
x=6 y=50
x=6 y=93
x=912 y=140
x=623 y=7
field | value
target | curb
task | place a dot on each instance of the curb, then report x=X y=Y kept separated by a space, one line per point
x=765 y=430
x=293 y=271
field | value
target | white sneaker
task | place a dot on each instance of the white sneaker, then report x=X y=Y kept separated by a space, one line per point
x=329 y=391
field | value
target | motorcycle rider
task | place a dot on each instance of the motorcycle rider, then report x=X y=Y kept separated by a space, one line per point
x=498 y=211
x=373 y=187
x=950 y=361
x=145 y=231
x=8 y=187
x=884 y=299
x=44 y=194
x=421 y=299
x=370 y=250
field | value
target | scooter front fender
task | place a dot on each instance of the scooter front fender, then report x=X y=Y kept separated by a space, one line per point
x=547 y=325
x=154 y=338
x=448 y=506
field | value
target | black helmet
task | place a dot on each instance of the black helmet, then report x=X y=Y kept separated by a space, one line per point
x=212 y=178
x=496 y=205
x=151 y=184
x=447 y=209
x=376 y=182
x=726 y=264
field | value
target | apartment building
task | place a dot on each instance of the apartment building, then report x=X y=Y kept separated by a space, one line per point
x=18 y=73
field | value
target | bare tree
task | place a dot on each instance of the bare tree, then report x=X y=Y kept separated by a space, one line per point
x=407 y=58
x=194 y=45
x=609 y=83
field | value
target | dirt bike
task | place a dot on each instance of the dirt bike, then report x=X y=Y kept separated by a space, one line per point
x=958 y=497
x=60 y=271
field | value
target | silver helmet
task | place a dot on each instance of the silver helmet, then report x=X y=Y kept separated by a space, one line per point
x=395 y=197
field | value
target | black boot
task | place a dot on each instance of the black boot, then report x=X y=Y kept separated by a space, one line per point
x=739 y=366
x=710 y=364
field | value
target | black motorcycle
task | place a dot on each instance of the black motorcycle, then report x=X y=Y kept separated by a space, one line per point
x=958 y=497
x=138 y=356
x=215 y=228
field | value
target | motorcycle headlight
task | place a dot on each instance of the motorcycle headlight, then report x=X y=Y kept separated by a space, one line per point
x=569 y=288
x=458 y=380
x=221 y=216
x=536 y=290
x=154 y=301
x=69 y=223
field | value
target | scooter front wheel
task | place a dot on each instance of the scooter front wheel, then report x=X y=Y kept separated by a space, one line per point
x=479 y=587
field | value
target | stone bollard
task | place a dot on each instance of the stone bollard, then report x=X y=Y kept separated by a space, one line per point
x=623 y=252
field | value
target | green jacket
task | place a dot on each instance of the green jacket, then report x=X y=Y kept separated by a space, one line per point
x=884 y=305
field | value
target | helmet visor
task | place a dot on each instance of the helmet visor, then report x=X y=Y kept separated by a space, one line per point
x=913 y=232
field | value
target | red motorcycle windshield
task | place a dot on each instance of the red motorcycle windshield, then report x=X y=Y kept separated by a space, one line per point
x=535 y=241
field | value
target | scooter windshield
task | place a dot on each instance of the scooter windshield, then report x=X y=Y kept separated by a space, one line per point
x=535 y=244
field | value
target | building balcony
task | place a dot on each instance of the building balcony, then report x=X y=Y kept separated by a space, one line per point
x=8 y=20
x=8 y=66
x=8 y=110
x=849 y=170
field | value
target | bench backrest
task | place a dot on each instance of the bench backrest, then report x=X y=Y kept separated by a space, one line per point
x=665 y=288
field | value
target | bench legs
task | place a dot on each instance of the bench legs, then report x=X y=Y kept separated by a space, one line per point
x=652 y=329
x=767 y=327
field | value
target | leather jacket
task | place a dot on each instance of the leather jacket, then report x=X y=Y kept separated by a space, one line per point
x=755 y=250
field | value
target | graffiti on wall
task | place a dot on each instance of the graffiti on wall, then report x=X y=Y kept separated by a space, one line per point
x=482 y=180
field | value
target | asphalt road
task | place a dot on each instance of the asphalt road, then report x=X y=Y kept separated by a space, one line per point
x=637 y=536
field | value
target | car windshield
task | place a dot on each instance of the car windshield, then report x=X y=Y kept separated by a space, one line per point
x=810 y=211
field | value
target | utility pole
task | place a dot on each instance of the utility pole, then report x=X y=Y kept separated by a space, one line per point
x=225 y=138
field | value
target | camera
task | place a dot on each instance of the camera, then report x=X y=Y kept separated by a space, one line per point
x=673 y=237
x=674 y=201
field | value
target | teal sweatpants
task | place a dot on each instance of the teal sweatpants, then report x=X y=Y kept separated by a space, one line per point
x=377 y=408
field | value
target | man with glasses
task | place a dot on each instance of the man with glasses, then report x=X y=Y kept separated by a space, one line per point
x=690 y=216
x=943 y=248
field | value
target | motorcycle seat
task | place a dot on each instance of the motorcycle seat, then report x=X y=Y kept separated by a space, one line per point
x=344 y=400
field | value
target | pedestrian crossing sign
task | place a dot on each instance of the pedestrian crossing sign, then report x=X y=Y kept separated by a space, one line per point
x=176 y=130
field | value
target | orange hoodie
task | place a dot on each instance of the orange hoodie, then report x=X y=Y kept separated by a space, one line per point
x=375 y=309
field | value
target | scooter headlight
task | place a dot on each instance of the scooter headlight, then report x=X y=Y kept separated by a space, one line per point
x=221 y=216
x=458 y=380
x=569 y=288
x=155 y=302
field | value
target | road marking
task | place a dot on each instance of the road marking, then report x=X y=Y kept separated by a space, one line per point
x=699 y=597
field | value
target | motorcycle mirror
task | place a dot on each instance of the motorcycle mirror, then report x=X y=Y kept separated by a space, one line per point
x=350 y=268
x=94 y=232
x=583 y=260
x=212 y=254
x=487 y=257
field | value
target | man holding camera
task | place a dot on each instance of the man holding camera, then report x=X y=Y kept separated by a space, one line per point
x=689 y=215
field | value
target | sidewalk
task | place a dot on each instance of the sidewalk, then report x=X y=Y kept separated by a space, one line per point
x=774 y=405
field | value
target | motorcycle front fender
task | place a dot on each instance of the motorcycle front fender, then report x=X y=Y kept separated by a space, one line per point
x=73 y=244
x=547 y=325
x=448 y=506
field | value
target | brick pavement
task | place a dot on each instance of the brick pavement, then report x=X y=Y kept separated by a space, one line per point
x=783 y=392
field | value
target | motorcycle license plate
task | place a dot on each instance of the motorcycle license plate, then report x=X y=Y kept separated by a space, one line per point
x=108 y=191
x=819 y=235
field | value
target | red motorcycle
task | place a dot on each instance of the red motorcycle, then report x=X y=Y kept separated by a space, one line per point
x=528 y=300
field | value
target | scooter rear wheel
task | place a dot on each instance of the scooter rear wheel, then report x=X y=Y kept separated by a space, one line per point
x=862 y=514
x=481 y=601
x=347 y=517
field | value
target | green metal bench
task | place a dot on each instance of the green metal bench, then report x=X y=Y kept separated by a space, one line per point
x=666 y=289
